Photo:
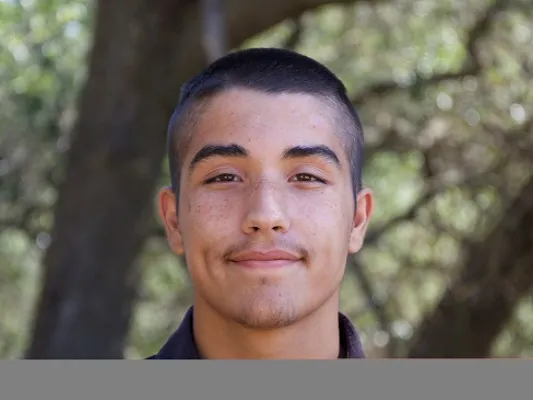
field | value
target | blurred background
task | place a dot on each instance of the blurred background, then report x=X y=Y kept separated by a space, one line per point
x=444 y=91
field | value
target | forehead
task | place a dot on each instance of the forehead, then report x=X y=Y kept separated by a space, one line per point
x=265 y=122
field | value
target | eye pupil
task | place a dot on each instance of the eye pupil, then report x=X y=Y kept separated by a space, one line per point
x=306 y=177
x=225 y=178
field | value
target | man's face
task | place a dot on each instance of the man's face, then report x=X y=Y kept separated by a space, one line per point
x=266 y=214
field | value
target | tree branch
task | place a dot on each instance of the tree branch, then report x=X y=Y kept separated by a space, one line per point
x=296 y=34
x=375 y=234
x=214 y=29
x=471 y=66
x=434 y=187
x=496 y=275
x=377 y=306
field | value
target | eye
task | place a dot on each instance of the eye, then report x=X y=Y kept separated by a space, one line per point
x=222 y=178
x=307 y=178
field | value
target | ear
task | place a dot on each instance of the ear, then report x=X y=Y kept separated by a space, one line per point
x=169 y=217
x=365 y=207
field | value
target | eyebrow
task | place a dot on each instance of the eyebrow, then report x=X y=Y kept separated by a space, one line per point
x=234 y=150
x=312 y=151
x=210 y=151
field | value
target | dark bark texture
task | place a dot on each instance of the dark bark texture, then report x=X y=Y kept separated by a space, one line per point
x=495 y=276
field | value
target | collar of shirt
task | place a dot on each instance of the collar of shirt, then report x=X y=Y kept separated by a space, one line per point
x=181 y=345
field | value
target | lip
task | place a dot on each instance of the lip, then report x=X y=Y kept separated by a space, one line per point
x=265 y=258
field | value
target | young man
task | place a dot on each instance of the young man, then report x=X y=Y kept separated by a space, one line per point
x=266 y=203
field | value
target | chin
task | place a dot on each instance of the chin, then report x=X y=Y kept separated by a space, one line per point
x=265 y=314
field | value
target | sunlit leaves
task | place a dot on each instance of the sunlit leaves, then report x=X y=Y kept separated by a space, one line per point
x=42 y=66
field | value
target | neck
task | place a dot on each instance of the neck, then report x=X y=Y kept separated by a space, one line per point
x=314 y=337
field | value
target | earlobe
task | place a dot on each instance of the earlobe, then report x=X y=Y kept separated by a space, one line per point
x=365 y=207
x=169 y=218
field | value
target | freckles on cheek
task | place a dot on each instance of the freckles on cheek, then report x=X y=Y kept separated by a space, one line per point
x=322 y=213
x=313 y=208
x=213 y=211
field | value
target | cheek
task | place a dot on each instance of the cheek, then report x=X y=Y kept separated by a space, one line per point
x=209 y=217
x=326 y=211
x=325 y=233
x=325 y=222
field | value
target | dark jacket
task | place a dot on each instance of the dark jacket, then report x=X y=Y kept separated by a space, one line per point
x=181 y=346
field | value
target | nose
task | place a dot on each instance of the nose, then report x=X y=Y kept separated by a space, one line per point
x=266 y=211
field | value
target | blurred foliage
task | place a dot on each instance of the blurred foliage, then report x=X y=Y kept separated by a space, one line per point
x=443 y=89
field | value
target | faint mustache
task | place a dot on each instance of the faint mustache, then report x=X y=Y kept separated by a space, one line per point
x=258 y=246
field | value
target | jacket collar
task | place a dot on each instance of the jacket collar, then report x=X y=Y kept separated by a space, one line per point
x=181 y=345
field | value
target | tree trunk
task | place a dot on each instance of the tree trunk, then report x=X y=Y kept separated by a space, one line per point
x=497 y=274
x=143 y=51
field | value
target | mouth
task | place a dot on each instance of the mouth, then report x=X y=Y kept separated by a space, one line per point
x=265 y=259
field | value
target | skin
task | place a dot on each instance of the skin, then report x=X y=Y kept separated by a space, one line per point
x=231 y=203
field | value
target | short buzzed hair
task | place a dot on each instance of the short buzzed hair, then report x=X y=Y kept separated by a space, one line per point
x=267 y=70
